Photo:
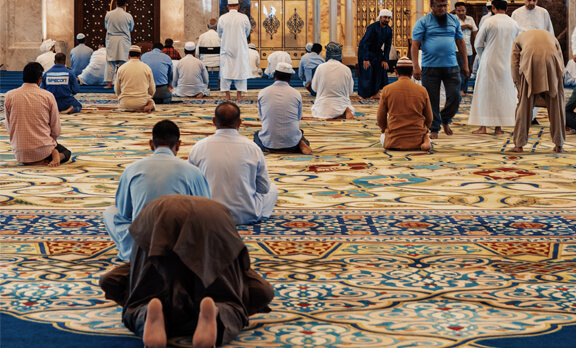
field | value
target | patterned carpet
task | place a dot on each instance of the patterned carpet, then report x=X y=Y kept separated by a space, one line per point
x=365 y=248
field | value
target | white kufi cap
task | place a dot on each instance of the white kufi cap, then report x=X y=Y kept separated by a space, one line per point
x=233 y=2
x=80 y=36
x=190 y=46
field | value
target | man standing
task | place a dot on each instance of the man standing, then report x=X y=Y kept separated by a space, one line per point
x=62 y=82
x=209 y=45
x=235 y=168
x=190 y=75
x=234 y=29
x=537 y=66
x=469 y=30
x=135 y=84
x=33 y=122
x=494 y=100
x=280 y=109
x=170 y=50
x=405 y=114
x=373 y=54
x=530 y=16
x=46 y=59
x=161 y=66
x=438 y=34
x=119 y=24
x=333 y=84
x=80 y=55
x=144 y=180
x=309 y=63
x=96 y=69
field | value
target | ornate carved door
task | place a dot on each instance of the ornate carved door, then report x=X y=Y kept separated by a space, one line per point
x=89 y=19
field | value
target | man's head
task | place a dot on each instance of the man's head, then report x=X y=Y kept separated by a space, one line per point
x=165 y=134
x=81 y=38
x=120 y=3
x=189 y=48
x=157 y=45
x=135 y=52
x=168 y=43
x=404 y=67
x=317 y=48
x=227 y=115
x=334 y=51
x=500 y=5
x=213 y=24
x=384 y=17
x=308 y=47
x=32 y=73
x=233 y=5
x=489 y=6
x=48 y=45
x=283 y=72
x=60 y=58
x=438 y=7
x=530 y=4
x=460 y=10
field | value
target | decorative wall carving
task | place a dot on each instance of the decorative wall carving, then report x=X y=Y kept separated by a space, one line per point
x=295 y=24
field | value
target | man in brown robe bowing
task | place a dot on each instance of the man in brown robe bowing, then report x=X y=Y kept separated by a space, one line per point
x=189 y=274
x=405 y=112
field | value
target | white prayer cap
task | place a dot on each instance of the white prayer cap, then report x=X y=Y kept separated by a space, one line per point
x=385 y=13
x=47 y=45
x=404 y=62
x=190 y=46
x=285 y=68
x=135 y=48
x=80 y=36
x=252 y=46
x=233 y=2
x=309 y=47
x=488 y=3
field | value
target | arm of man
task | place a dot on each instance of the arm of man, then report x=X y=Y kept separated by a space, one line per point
x=515 y=62
x=382 y=115
x=74 y=85
x=262 y=178
x=414 y=52
x=387 y=47
x=54 y=119
x=428 y=112
x=480 y=41
x=364 y=47
x=461 y=44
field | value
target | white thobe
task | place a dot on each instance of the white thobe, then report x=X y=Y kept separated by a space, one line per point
x=494 y=101
x=574 y=42
x=333 y=84
x=46 y=59
x=233 y=29
x=209 y=39
x=118 y=24
x=273 y=59
x=94 y=72
x=484 y=18
x=570 y=73
x=255 y=64
x=190 y=77
x=538 y=18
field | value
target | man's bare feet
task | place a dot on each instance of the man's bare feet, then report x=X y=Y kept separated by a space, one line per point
x=348 y=114
x=516 y=149
x=227 y=95
x=305 y=148
x=433 y=135
x=199 y=96
x=239 y=95
x=154 y=329
x=498 y=130
x=558 y=149
x=426 y=145
x=68 y=111
x=206 y=331
x=149 y=107
x=447 y=129
x=108 y=86
x=57 y=157
x=481 y=130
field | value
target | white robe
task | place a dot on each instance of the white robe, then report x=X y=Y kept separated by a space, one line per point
x=273 y=59
x=333 y=84
x=574 y=42
x=570 y=73
x=209 y=39
x=96 y=69
x=494 y=101
x=46 y=59
x=118 y=24
x=538 y=18
x=233 y=29
x=190 y=77
x=255 y=64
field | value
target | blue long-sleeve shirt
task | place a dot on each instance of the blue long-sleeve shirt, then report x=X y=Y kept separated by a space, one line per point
x=161 y=66
x=60 y=81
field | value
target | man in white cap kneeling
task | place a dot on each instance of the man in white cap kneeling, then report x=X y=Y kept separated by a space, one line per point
x=80 y=55
x=135 y=84
x=190 y=75
x=405 y=112
x=280 y=109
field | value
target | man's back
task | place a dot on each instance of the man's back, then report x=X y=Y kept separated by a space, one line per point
x=308 y=63
x=161 y=66
x=135 y=79
x=233 y=29
x=118 y=25
x=60 y=81
x=280 y=109
x=79 y=58
x=94 y=72
x=333 y=84
x=209 y=39
x=190 y=77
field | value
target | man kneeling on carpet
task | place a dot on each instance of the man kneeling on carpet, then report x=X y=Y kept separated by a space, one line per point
x=135 y=85
x=62 y=82
x=405 y=112
x=33 y=121
x=189 y=275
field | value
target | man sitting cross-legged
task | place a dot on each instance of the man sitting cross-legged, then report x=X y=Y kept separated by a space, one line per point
x=158 y=175
x=405 y=113
x=235 y=168
x=33 y=121
x=135 y=85
x=190 y=75
x=280 y=109
x=189 y=275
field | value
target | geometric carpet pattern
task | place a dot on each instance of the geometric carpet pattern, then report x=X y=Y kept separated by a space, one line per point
x=365 y=248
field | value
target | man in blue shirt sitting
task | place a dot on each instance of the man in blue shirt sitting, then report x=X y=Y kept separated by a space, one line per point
x=438 y=34
x=80 y=55
x=62 y=82
x=308 y=65
x=161 y=66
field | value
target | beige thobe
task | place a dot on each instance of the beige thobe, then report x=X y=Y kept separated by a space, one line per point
x=134 y=85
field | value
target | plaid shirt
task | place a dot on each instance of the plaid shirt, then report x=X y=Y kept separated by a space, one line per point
x=174 y=55
x=33 y=122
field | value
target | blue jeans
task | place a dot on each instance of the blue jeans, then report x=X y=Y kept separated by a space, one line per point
x=431 y=80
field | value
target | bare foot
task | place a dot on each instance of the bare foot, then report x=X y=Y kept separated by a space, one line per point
x=447 y=129
x=516 y=149
x=481 y=130
x=199 y=95
x=154 y=329
x=68 y=111
x=206 y=330
x=227 y=95
x=433 y=135
x=239 y=96
x=108 y=86
x=149 y=107
x=426 y=145
x=498 y=130
x=305 y=148
x=56 y=158
x=348 y=114
x=558 y=149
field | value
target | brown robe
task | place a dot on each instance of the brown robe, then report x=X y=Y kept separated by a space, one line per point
x=187 y=248
x=537 y=69
x=404 y=115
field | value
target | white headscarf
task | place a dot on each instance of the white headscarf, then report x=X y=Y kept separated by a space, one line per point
x=309 y=47
x=47 y=45
x=384 y=13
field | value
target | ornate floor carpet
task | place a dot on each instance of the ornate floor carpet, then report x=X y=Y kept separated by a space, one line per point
x=466 y=246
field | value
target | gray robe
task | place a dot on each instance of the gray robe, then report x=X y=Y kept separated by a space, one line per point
x=119 y=24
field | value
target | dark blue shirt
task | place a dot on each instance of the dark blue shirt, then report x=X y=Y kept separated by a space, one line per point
x=60 y=81
x=370 y=47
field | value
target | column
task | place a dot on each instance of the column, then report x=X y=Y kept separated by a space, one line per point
x=333 y=21
x=317 y=23
x=349 y=51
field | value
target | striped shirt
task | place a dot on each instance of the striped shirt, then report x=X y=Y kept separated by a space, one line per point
x=33 y=122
